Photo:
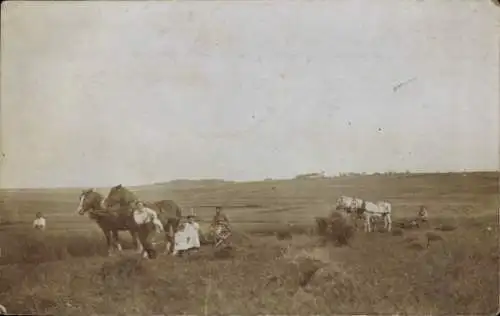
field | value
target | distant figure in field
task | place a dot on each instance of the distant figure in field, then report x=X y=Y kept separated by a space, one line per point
x=423 y=214
x=39 y=222
x=192 y=230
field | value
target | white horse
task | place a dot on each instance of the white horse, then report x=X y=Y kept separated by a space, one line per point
x=349 y=204
x=3 y=310
x=381 y=209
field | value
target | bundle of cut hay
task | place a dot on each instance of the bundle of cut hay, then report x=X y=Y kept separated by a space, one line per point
x=336 y=228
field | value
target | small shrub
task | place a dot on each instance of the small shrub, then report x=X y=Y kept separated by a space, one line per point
x=397 y=232
x=122 y=269
x=283 y=235
x=416 y=245
x=432 y=236
x=406 y=224
x=321 y=226
x=411 y=238
x=338 y=229
x=224 y=253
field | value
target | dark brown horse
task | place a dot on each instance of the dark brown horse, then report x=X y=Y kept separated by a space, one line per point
x=109 y=222
x=169 y=213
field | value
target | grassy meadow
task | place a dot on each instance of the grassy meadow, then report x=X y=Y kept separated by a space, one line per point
x=65 y=270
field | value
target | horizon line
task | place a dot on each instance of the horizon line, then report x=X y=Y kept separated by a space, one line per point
x=324 y=176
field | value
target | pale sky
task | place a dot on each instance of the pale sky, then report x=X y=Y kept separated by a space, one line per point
x=101 y=93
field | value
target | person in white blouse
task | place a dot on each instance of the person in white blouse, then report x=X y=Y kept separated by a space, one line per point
x=192 y=231
x=39 y=222
x=143 y=215
x=181 y=240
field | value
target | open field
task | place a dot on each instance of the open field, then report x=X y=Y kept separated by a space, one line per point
x=64 y=271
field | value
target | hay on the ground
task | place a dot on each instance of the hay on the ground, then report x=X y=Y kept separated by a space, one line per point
x=397 y=232
x=336 y=228
x=432 y=236
x=446 y=227
x=283 y=235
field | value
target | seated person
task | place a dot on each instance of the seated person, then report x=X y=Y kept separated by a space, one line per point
x=181 y=240
x=422 y=214
x=192 y=230
x=39 y=222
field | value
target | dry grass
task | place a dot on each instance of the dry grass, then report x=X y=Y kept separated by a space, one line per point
x=65 y=272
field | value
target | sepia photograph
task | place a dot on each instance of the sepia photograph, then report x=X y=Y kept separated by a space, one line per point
x=250 y=157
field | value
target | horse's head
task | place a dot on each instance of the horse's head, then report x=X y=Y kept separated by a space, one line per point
x=89 y=200
x=119 y=195
x=385 y=206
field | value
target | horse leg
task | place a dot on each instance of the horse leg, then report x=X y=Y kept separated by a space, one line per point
x=117 y=241
x=388 y=222
x=354 y=218
x=148 y=250
x=107 y=233
x=170 y=236
x=137 y=243
x=142 y=240
x=170 y=229
x=168 y=239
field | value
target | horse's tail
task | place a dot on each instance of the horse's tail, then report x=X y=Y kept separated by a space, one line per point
x=3 y=310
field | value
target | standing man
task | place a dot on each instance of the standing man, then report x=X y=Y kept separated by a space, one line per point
x=143 y=215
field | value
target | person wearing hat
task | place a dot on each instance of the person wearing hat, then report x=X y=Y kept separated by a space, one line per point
x=192 y=231
x=220 y=218
x=39 y=222
x=219 y=221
